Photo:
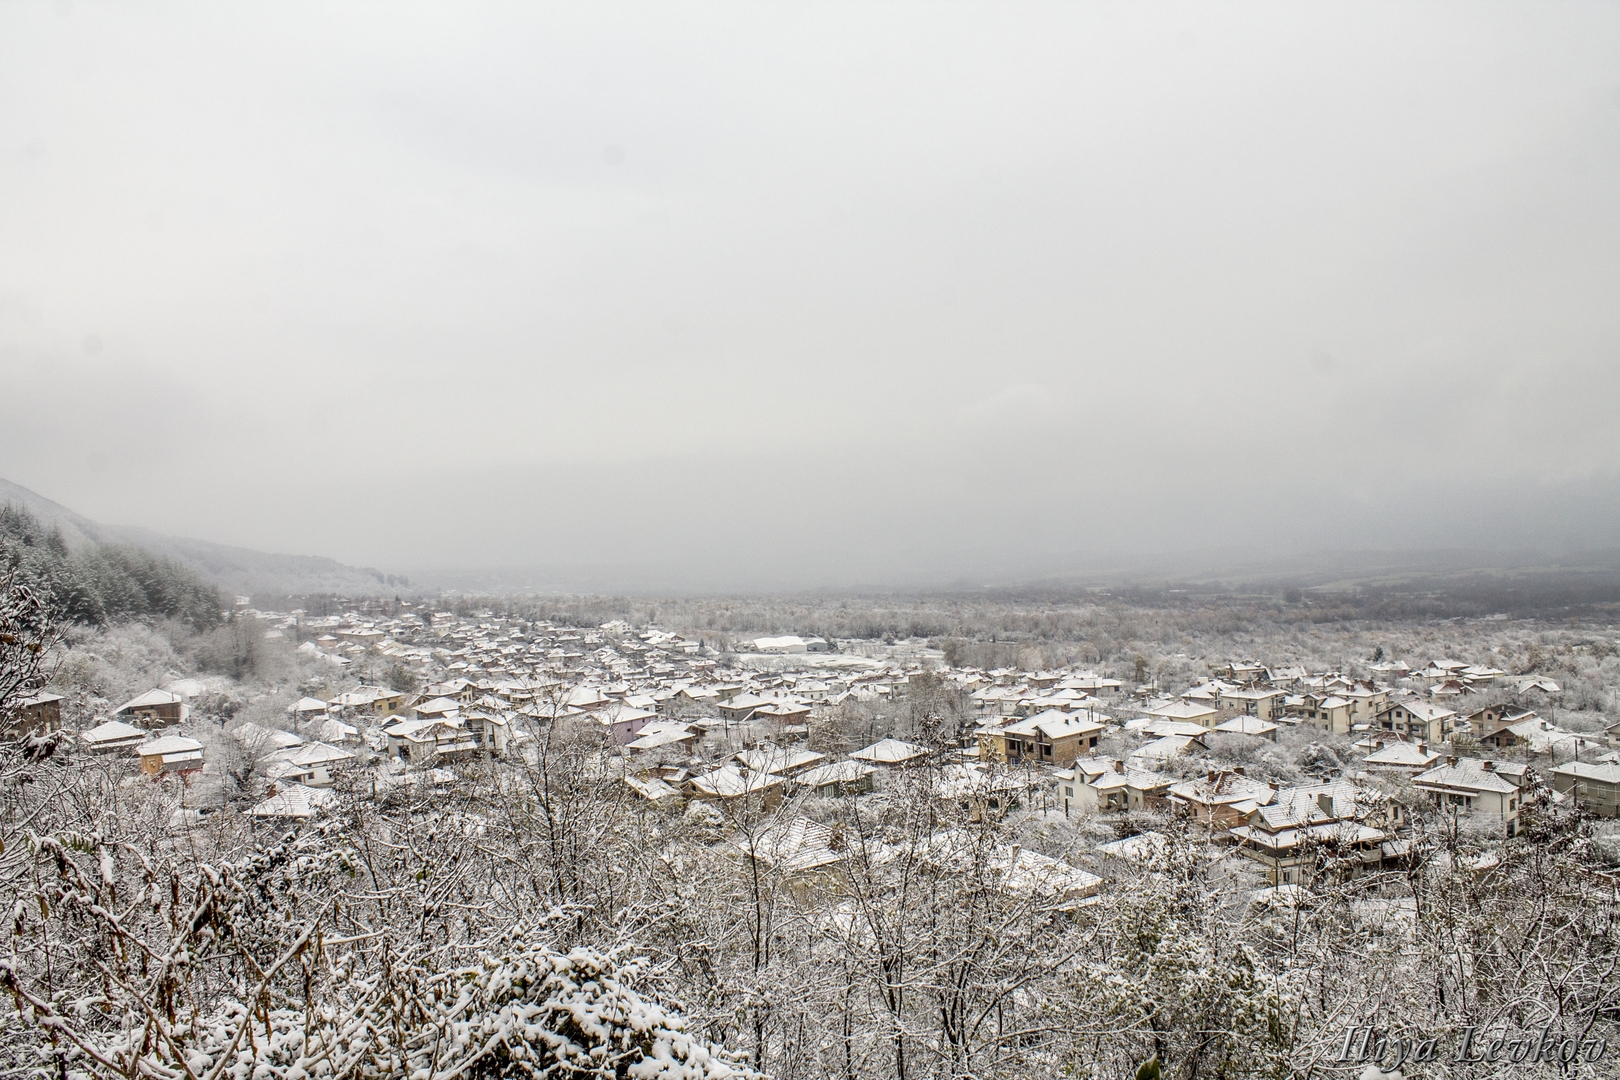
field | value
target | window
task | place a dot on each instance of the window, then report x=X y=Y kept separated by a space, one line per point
x=1068 y=791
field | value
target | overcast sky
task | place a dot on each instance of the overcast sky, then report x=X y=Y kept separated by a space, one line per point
x=779 y=295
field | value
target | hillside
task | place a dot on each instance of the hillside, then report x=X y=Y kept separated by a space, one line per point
x=100 y=583
x=238 y=571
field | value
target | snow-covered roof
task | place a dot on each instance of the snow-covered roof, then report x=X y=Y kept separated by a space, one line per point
x=779 y=759
x=317 y=753
x=1055 y=725
x=1580 y=770
x=890 y=752
x=149 y=700
x=1246 y=725
x=295 y=801
x=257 y=737
x=1402 y=755
x=730 y=781
x=1468 y=774
x=793 y=846
x=169 y=745
x=113 y=731
x=836 y=772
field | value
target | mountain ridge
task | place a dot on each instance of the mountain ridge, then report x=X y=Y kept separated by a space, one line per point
x=237 y=570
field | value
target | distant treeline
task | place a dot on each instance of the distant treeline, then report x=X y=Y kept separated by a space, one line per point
x=104 y=583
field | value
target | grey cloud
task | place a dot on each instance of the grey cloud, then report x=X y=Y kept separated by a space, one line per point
x=928 y=291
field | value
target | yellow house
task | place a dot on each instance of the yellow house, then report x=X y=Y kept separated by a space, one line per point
x=1325 y=710
x=1048 y=738
x=1263 y=702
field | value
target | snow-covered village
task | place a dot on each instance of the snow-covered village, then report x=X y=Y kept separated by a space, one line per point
x=709 y=540
x=802 y=854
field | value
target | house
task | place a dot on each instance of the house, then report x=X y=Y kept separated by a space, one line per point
x=1399 y=756
x=1540 y=736
x=312 y=765
x=784 y=711
x=1330 y=712
x=42 y=712
x=1048 y=738
x=1301 y=826
x=1150 y=756
x=622 y=723
x=655 y=790
x=1208 y=693
x=1052 y=882
x=462 y=690
x=797 y=847
x=294 y=802
x=688 y=696
x=489 y=729
x=1205 y=716
x=1533 y=684
x=370 y=701
x=1594 y=788
x=729 y=784
x=112 y=736
x=1265 y=703
x=1488 y=724
x=170 y=754
x=1095 y=786
x=256 y=738
x=984 y=792
x=779 y=761
x=1158 y=729
x=891 y=753
x=1418 y=720
x=155 y=709
x=836 y=778
x=338 y=733
x=1480 y=675
x=308 y=709
x=659 y=734
x=1365 y=699
x=588 y=698
x=421 y=742
x=739 y=707
x=1248 y=725
x=1439 y=671
x=1135 y=849
x=1091 y=684
x=1242 y=671
x=1221 y=799
x=439 y=708
x=1474 y=787
x=1048 y=883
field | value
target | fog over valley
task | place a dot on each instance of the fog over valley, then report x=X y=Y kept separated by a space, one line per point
x=843 y=296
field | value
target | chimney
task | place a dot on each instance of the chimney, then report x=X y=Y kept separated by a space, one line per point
x=1324 y=802
x=1212 y=776
x=1239 y=771
x=1423 y=748
x=1488 y=766
x=1119 y=767
x=1452 y=761
x=1273 y=785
